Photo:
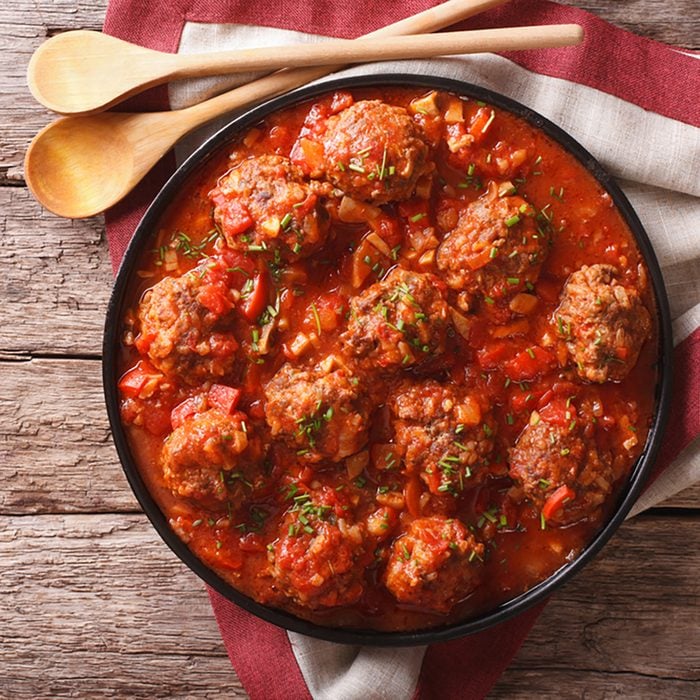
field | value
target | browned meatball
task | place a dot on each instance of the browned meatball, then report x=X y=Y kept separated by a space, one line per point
x=434 y=565
x=185 y=329
x=375 y=152
x=560 y=470
x=603 y=322
x=494 y=251
x=320 y=412
x=264 y=204
x=319 y=557
x=443 y=433
x=200 y=456
x=398 y=322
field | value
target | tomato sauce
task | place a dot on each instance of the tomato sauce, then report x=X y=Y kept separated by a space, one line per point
x=312 y=518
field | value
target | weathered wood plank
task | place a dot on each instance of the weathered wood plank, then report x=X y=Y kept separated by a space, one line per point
x=103 y=595
x=25 y=24
x=97 y=606
x=55 y=282
x=57 y=453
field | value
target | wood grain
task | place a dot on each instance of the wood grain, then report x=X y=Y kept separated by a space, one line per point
x=94 y=605
x=55 y=282
x=55 y=459
x=97 y=606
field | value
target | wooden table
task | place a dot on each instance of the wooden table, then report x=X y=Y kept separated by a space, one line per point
x=93 y=604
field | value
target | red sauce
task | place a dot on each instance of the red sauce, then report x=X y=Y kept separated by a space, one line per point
x=293 y=516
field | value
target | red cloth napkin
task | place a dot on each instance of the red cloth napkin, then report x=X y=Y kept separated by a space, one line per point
x=636 y=70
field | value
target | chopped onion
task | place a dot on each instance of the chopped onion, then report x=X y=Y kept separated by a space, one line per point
x=523 y=303
x=355 y=464
x=379 y=243
x=461 y=323
x=352 y=211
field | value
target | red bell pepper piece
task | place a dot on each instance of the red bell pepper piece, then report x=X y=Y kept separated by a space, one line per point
x=556 y=500
x=182 y=412
x=254 y=304
x=529 y=363
x=225 y=398
x=134 y=380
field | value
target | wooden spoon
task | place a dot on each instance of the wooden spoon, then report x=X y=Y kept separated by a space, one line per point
x=80 y=166
x=67 y=73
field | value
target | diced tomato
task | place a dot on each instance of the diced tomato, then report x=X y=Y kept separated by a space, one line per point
x=565 y=388
x=385 y=456
x=222 y=345
x=235 y=217
x=522 y=401
x=132 y=382
x=212 y=296
x=143 y=342
x=481 y=122
x=236 y=267
x=341 y=101
x=529 y=363
x=556 y=500
x=225 y=398
x=388 y=229
x=493 y=354
x=156 y=419
x=559 y=411
x=182 y=412
x=255 y=303
x=308 y=155
x=331 y=310
x=252 y=542
x=415 y=212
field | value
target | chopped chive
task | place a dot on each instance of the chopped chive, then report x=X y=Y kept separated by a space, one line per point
x=511 y=221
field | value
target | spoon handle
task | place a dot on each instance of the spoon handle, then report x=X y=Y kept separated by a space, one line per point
x=379 y=49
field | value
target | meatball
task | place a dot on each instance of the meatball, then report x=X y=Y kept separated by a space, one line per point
x=321 y=412
x=199 y=457
x=494 y=250
x=560 y=470
x=603 y=323
x=319 y=557
x=185 y=327
x=375 y=152
x=443 y=432
x=398 y=322
x=434 y=565
x=264 y=204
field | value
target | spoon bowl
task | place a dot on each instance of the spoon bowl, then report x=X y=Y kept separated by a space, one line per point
x=67 y=72
x=79 y=166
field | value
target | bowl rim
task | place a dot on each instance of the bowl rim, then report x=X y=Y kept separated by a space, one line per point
x=503 y=611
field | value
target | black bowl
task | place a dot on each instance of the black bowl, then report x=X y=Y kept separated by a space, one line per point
x=357 y=636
